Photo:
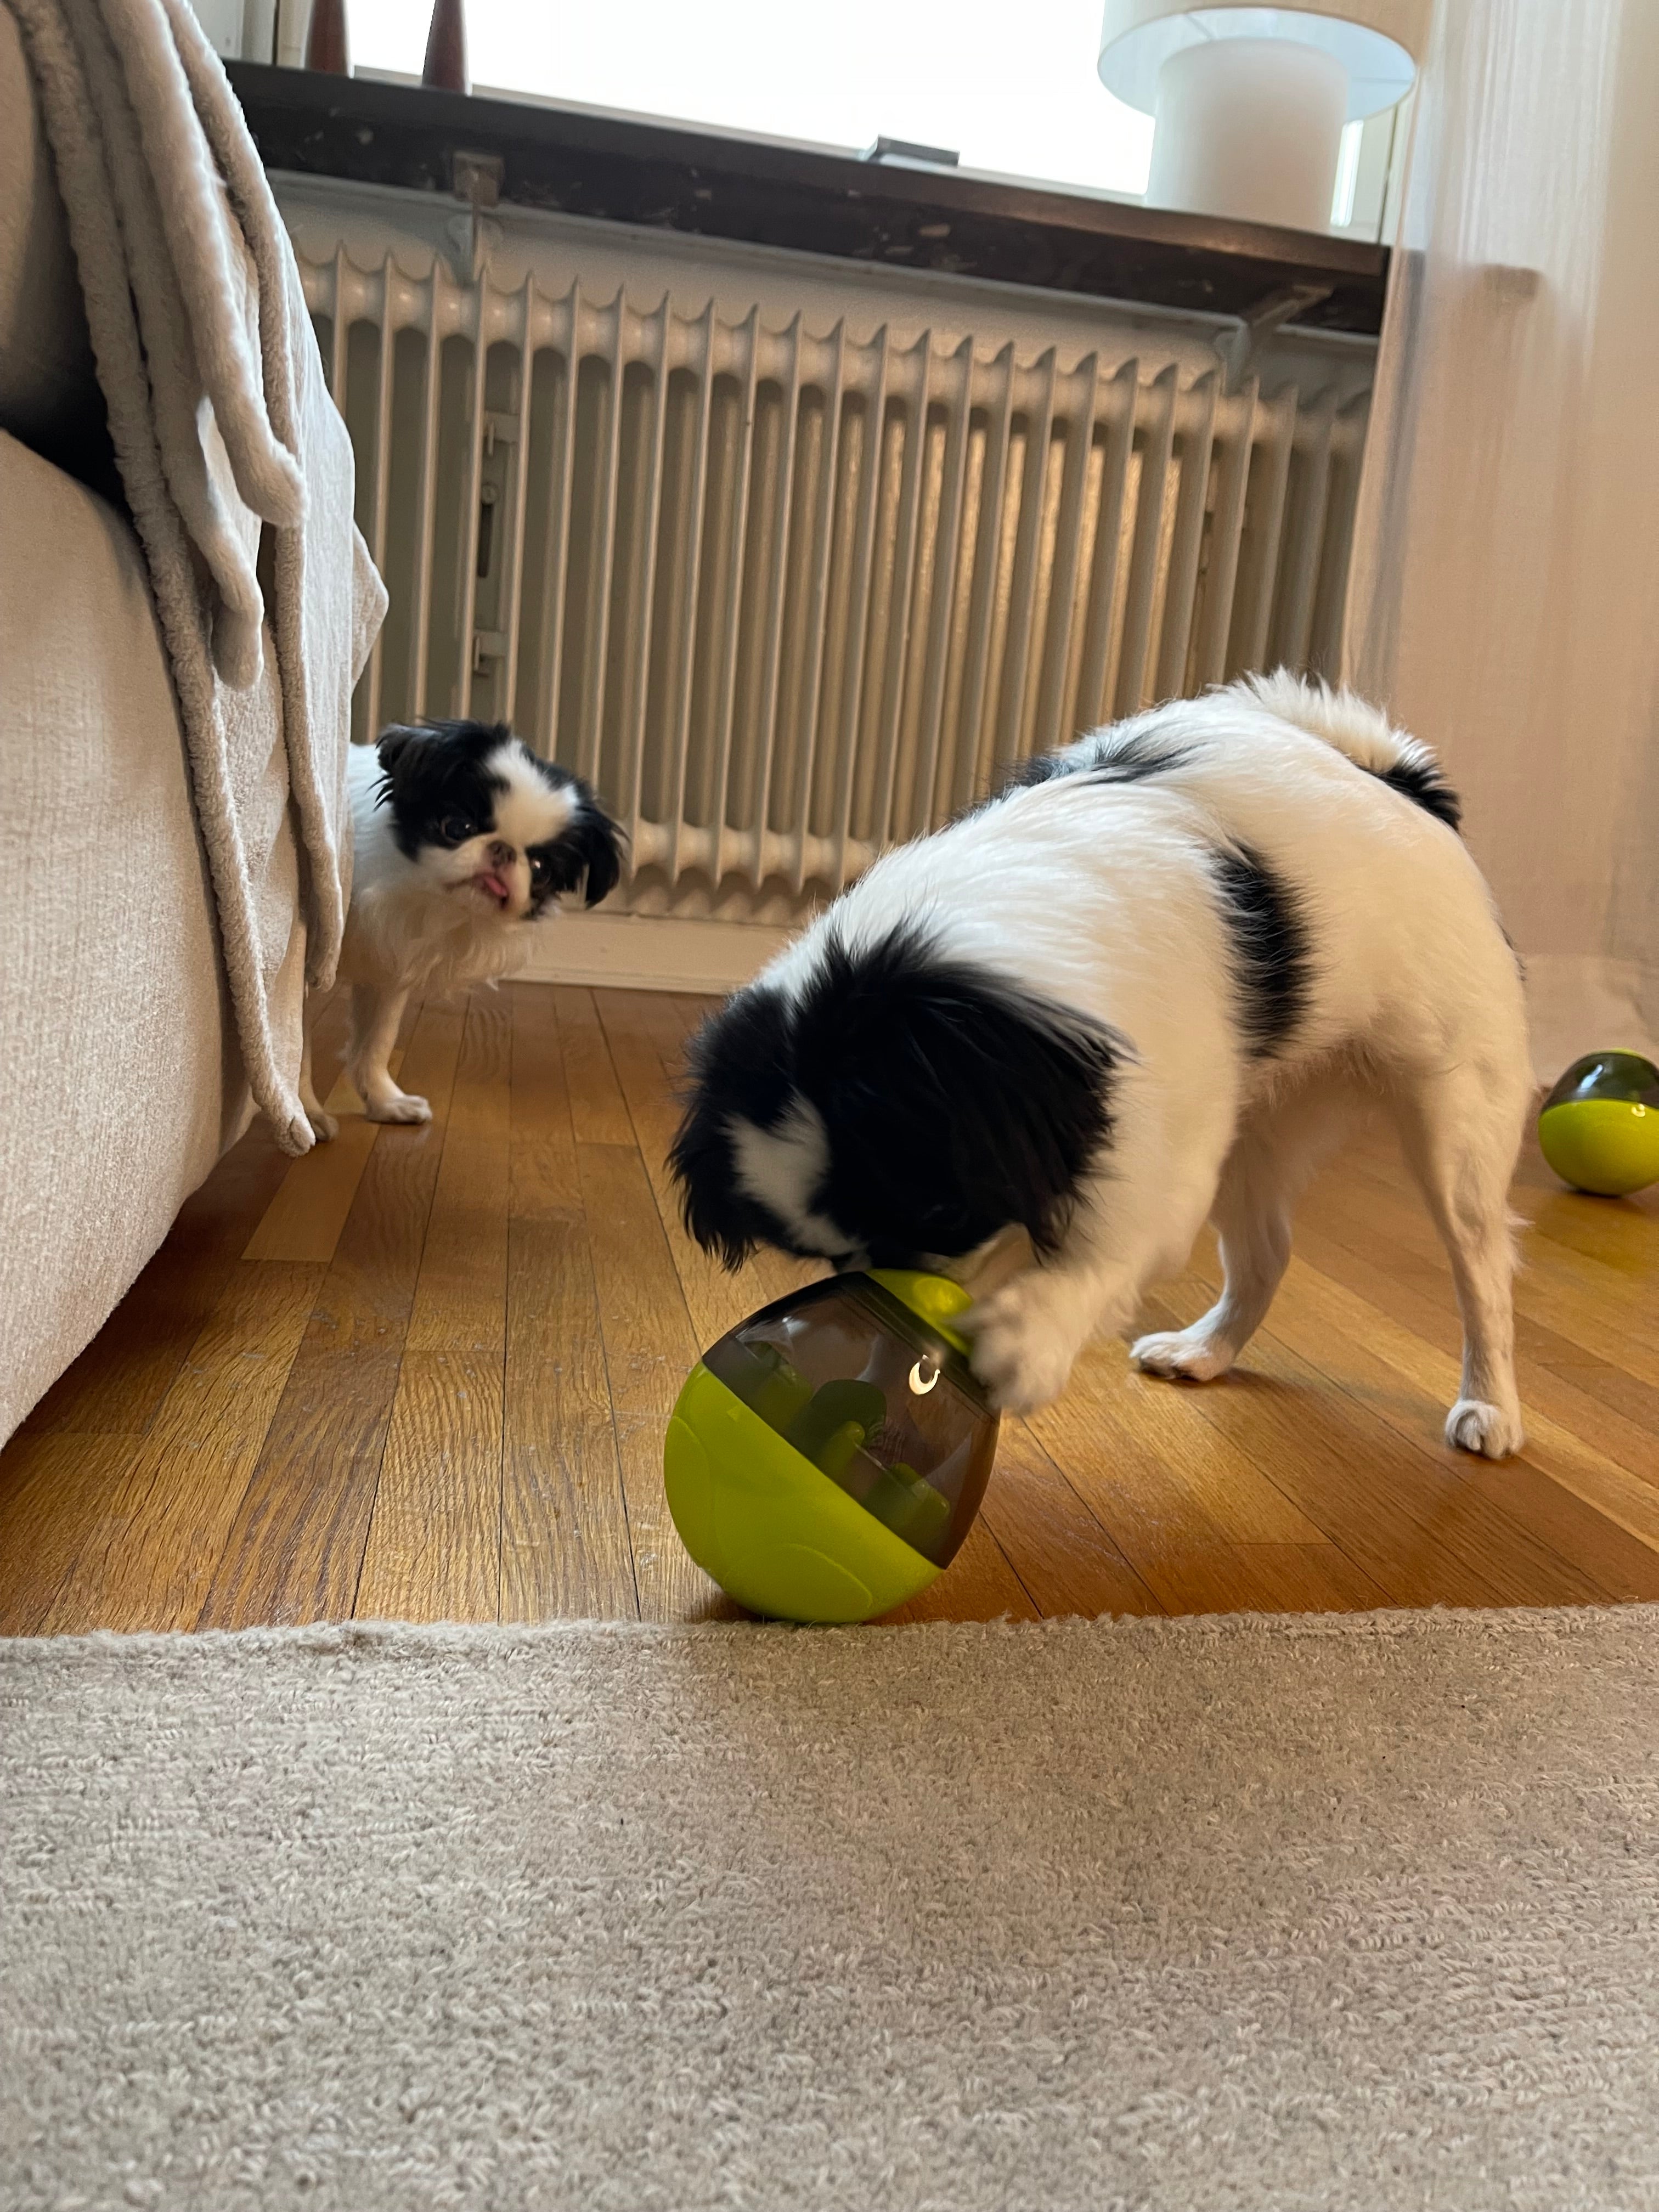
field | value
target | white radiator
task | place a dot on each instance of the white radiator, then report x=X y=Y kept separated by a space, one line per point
x=791 y=557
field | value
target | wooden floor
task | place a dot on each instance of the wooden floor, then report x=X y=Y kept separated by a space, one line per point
x=424 y=1373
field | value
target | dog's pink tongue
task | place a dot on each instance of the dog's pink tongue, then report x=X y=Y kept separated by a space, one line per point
x=497 y=889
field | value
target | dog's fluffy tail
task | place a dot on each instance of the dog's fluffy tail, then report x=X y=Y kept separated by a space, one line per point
x=1362 y=733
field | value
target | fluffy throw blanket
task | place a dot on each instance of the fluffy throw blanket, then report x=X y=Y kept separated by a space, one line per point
x=236 y=466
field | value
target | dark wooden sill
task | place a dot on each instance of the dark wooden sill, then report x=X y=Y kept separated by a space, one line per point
x=669 y=176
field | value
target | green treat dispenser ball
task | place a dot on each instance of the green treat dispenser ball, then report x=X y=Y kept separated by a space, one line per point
x=827 y=1455
x=1599 y=1127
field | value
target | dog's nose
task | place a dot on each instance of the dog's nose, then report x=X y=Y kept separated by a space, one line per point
x=501 y=856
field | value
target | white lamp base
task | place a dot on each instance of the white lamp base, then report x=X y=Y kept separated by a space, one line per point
x=1249 y=128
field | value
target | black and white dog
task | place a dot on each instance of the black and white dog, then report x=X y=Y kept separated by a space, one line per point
x=464 y=841
x=1140 y=989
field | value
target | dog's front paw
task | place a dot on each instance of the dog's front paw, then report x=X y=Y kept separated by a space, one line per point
x=1488 y=1430
x=1184 y=1355
x=401 y=1106
x=1025 y=1345
x=323 y=1126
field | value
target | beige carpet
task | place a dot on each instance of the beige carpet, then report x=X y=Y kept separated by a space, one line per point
x=1208 y=1914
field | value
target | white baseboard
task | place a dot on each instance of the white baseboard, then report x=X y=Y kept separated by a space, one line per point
x=652 y=953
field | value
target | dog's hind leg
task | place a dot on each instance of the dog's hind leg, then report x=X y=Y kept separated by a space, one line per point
x=1280 y=1144
x=1252 y=1214
x=1461 y=1129
x=1027 y=1334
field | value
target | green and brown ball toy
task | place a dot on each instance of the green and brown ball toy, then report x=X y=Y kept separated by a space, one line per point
x=1599 y=1127
x=826 y=1457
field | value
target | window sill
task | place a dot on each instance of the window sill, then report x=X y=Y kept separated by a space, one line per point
x=663 y=176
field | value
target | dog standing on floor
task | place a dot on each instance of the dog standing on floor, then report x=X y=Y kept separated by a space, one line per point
x=464 y=841
x=1145 y=986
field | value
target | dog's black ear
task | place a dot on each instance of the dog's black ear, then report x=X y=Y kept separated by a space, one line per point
x=432 y=773
x=955 y=1100
x=393 y=745
x=412 y=751
x=601 y=843
x=411 y=760
x=589 y=849
x=738 y=1063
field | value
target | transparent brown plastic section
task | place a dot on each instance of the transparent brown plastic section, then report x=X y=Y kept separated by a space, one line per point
x=1619 y=1075
x=876 y=1400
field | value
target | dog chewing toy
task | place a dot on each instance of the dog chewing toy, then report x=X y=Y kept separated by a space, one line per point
x=1598 y=1128
x=827 y=1455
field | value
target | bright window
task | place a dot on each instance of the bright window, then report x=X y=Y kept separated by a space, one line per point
x=1009 y=88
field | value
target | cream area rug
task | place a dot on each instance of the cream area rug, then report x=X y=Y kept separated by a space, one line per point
x=1238 y=1913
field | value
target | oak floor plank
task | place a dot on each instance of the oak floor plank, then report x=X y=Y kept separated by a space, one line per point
x=305 y=1217
x=1411 y=1516
x=434 y=1533
x=434 y=1537
x=1592 y=1396
x=1589 y=1510
x=370 y=1288
x=1312 y=1579
x=1591 y=1305
x=1167 y=1533
x=54 y=1490
x=1324 y=1466
x=1241 y=1505
x=566 y=1551
x=149 y=1558
x=599 y=1114
x=649 y=1348
x=1584 y=1485
x=566 y=1546
x=979 y=1584
x=1063 y=1556
x=1619 y=1232
x=461 y=1293
x=295 y=1550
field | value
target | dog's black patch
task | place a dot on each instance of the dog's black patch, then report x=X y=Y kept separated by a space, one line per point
x=440 y=790
x=1421 y=781
x=740 y=1061
x=1271 y=964
x=953 y=1103
x=435 y=784
x=1041 y=768
x=588 y=854
x=1134 y=758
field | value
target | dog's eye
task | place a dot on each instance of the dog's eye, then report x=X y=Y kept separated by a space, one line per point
x=537 y=868
x=455 y=829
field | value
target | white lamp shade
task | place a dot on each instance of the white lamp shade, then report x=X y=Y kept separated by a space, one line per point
x=1249 y=128
x=1378 y=42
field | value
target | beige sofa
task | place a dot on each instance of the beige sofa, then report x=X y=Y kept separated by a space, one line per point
x=120 y=1082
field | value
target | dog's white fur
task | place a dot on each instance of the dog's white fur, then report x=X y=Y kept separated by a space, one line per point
x=1101 y=896
x=429 y=924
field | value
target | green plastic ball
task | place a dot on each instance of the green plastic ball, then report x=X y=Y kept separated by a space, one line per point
x=1599 y=1127
x=827 y=1457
